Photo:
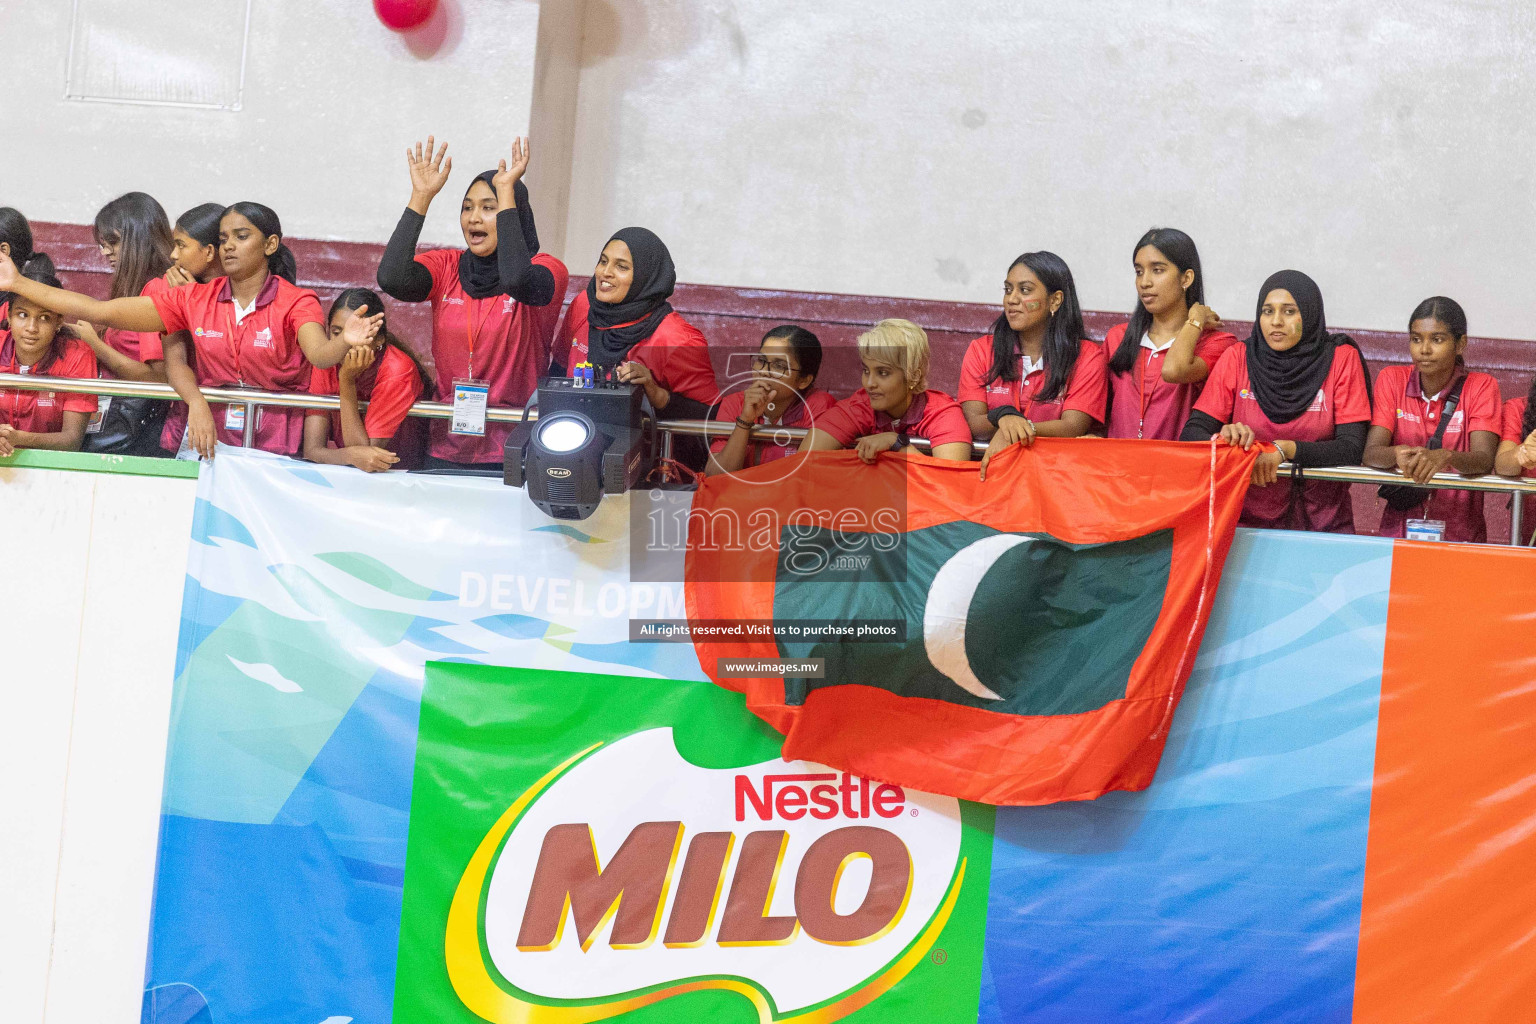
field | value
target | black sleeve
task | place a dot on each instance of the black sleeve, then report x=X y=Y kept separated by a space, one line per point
x=524 y=280
x=1346 y=448
x=400 y=276
x=1202 y=426
x=681 y=408
x=996 y=415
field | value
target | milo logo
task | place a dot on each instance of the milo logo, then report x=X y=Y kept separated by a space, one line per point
x=628 y=875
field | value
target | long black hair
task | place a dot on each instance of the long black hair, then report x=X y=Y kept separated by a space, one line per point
x=1529 y=423
x=351 y=299
x=1447 y=311
x=201 y=223
x=264 y=219
x=138 y=226
x=1063 y=332
x=1179 y=249
x=15 y=231
x=805 y=345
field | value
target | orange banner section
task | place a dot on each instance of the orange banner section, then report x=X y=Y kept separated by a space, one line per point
x=1448 y=926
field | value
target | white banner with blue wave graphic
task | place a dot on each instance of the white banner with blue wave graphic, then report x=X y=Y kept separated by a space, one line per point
x=315 y=596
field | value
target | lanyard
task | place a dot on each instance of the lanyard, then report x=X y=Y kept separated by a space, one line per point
x=1143 y=365
x=471 y=332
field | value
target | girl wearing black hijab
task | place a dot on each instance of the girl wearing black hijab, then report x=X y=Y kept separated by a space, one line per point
x=494 y=304
x=1299 y=388
x=623 y=323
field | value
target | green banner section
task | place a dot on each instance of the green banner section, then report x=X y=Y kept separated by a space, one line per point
x=90 y=462
x=587 y=847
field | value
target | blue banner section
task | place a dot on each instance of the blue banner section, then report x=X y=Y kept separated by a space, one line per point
x=1230 y=890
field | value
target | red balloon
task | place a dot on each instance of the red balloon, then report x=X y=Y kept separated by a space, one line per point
x=401 y=15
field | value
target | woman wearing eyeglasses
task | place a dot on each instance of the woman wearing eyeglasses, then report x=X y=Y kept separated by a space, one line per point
x=783 y=393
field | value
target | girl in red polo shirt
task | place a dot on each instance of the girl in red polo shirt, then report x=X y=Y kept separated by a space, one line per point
x=1517 y=451
x=494 y=304
x=253 y=328
x=1159 y=360
x=134 y=235
x=624 y=324
x=895 y=404
x=385 y=374
x=33 y=340
x=1034 y=375
x=1300 y=388
x=1411 y=402
x=194 y=260
x=783 y=392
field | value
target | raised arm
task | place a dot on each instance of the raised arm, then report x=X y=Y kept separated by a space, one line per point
x=525 y=281
x=130 y=313
x=1181 y=365
x=324 y=351
x=400 y=276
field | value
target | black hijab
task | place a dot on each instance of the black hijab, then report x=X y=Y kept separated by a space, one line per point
x=481 y=275
x=1286 y=383
x=615 y=328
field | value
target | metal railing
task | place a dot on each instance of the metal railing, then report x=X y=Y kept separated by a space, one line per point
x=253 y=399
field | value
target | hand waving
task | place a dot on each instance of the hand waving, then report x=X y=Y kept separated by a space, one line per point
x=509 y=172
x=429 y=168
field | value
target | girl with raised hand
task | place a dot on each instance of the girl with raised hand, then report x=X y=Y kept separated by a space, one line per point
x=1300 y=388
x=1161 y=357
x=1036 y=374
x=494 y=304
x=134 y=235
x=1517 y=451
x=252 y=328
x=895 y=404
x=783 y=393
x=385 y=374
x=1434 y=396
x=34 y=340
x=623 y=323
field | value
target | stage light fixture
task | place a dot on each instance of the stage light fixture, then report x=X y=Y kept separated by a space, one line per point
x=587 y=442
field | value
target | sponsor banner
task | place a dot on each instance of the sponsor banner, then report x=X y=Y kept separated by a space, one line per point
x=415 y=755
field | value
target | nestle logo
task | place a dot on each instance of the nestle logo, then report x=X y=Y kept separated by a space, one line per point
x=823 y=796
x=557 y=472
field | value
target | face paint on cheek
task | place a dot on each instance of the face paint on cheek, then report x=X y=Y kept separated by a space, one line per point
x=1032 y=306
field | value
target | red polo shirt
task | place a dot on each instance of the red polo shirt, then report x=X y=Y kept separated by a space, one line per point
x=1228 y=396
x=806 y=413
x=42 y=412
x=498 y=340
x=932 y=415
x=676 y=354
x=390 y=387
x=1402 y=408
x=1142 y=404
x=143 y=346
x=1512 y=430
x=261 y=351
x=1087 y=385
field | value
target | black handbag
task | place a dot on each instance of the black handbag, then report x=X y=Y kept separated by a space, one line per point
x=129 y=426
x=1403 y=497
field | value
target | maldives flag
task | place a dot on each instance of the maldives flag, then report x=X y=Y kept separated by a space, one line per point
x=1019 y=640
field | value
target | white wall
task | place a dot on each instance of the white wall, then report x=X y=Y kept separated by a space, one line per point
x=914 y=147
x=331 y=100
x=911 y=147
x=94 y=566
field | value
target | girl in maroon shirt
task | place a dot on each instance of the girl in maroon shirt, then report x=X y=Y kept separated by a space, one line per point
x=34 y=340
x=1161 y=357
x=783 y=392
x=1409 y=407
x=1300 y=388
x=134 y=235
